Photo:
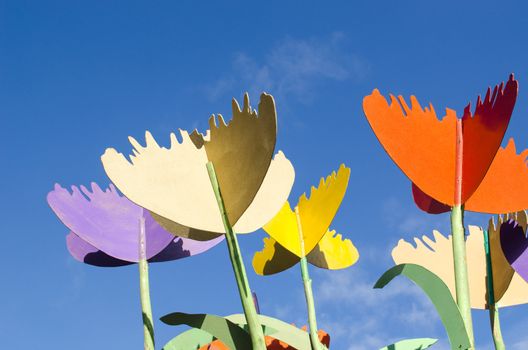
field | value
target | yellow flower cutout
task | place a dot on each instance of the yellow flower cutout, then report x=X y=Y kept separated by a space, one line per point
x=305 y=232
x=174 y=183
x=437 y=256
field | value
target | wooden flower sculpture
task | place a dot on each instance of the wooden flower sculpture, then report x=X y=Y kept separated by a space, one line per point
x=454 y=161
x=290 y=240
x=225 y=181
x=303 y=235
x=174 y=183
x=107 y=229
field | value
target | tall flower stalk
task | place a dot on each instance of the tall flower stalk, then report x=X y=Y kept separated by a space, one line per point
x=144 y=290
x=461 y=271
x=492 y=306
x=308 y=293
x=246 y=297
x=459 y=239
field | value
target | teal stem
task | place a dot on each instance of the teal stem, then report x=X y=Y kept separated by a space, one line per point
x=496 y=332
x=246 y=297
x=144 y=290
x=496 y=328
x=308 y=292
x=461 y=272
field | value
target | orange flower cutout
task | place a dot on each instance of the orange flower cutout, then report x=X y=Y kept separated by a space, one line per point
x=447 y=159
x=505 y=186
x=271 y=343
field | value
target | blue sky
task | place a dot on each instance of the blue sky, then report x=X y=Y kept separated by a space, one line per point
x=77 y=77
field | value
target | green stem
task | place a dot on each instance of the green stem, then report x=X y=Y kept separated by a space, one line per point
x=144 y=290
x=312 y=321
x=255 y=329
x=461 y=272
x=308 y=293
x=496 y=328
x=493 y=308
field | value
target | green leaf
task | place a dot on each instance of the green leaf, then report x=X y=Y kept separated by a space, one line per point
x=192 y=339
x=224 y=330
x=439 y=294
x=280 y=330
x=411 y=344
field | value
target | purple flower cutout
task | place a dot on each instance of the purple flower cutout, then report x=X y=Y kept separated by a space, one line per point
x=105 y=228
x=514 y=245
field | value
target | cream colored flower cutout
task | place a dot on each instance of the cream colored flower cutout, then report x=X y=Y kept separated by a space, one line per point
x=437 y=256
x=174 y=184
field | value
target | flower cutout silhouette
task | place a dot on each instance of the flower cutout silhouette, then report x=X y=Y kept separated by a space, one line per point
x=453 y=161
x=105 y=228
x=514 y=244
x=436 y=255
x=321 y=246
x=174 y=184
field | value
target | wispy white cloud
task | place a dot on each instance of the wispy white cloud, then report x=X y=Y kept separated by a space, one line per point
x=364 y=318
x=520 y=345
x=73 y=292
x=293 y=67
